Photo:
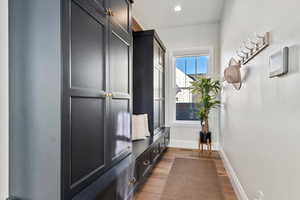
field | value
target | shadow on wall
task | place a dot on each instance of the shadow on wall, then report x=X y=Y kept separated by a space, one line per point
x=245 y=73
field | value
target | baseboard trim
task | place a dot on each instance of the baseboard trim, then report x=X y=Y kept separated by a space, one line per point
x=236 y=184
x=189 y=144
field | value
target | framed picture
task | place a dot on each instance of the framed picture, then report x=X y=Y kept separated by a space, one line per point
x=279 y=62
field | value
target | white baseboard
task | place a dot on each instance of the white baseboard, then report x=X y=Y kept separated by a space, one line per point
x=189 y=144
x=236 y=184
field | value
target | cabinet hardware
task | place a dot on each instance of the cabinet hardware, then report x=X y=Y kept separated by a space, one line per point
x=112 y=13
x=109 y=12
x=132 y=181
x=146 y=162
x=155 y=151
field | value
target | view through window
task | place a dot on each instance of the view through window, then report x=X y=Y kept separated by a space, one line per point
x=187 y=69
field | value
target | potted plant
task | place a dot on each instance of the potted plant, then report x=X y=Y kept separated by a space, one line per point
x=206 y=91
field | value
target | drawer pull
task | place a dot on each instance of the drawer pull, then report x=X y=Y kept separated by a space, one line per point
x=132 y=181
x=109 y=12
x=155 y=151
x=146 y=162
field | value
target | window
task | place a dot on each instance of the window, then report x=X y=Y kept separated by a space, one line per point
x=188 y=68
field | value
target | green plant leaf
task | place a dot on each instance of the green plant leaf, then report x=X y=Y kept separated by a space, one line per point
x=207 y=91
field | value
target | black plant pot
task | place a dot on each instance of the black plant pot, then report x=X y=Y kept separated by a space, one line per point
x=205 y=137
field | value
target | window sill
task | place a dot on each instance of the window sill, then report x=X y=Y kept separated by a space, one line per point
x=188 y=124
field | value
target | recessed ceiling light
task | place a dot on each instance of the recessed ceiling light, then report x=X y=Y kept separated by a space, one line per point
x=177 y=8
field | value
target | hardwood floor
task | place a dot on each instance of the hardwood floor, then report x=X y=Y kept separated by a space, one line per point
x=154 y=186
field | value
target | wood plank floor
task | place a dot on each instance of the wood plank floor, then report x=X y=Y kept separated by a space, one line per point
x=155 y=184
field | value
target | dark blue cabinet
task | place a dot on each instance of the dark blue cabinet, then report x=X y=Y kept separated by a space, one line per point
x=70 y=78
x=96 y=119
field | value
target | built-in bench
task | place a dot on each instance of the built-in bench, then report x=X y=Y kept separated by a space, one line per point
x=147 y=153
x=120 y=182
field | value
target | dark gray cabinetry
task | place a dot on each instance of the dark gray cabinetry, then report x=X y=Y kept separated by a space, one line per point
x=85 y=86
x=96 y=89
x=111 y=188
x=149 y=78
x=148 y=152
x=71 y=91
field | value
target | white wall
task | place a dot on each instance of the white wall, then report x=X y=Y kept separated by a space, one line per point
x=260 y=123
x=3 y=99
x=189 y=37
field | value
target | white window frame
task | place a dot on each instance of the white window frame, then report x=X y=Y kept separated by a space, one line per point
x=206 y=51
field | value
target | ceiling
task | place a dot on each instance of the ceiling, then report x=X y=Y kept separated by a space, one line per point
x=160 y=13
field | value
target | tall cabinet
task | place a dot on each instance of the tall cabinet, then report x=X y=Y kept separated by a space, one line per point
x=71 y=97
x=149 y=78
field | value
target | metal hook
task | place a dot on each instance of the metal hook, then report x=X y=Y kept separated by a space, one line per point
x=239 y=55
x=259 y=36
x=247 y=47
x=244 y=52
x=262 y=38
x=254 y=42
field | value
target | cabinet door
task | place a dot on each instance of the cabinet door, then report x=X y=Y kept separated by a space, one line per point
x=156 y=49
x=144 y=165
x=84 y=135
x=126 y=182
x=155 y=151
x=156 y=114
x=162 y=97
x=120 y=129
x=109 y=193
x=120 y=70
x=156 y=83
x=121 y=18
x=167 y=138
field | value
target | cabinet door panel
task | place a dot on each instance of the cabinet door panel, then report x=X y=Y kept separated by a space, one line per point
x=119 y=64
x=87 y=138
x=156 y=85
x=156 y=114
x=161 y=85
x=120 y=128
x=156 y=54
x=143 y=165
x=95 y=8
x=84 y=131
x=109 y=193
x=100 y=3
x=162 y=113
x=121 y=10
x=87 y=50
x=126 y=182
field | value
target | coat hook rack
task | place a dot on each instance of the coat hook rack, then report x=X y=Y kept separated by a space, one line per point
x=252 y=48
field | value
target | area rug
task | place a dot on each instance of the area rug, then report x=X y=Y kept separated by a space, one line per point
x=192 y=179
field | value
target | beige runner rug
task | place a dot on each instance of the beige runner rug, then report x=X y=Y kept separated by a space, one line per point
x=192 y=179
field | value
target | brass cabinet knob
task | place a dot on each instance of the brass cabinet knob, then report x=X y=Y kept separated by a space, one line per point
x=132 y=181
x=146 y=162
x=112 y=13
x=109 y=12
